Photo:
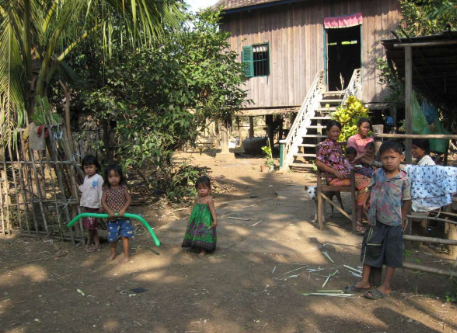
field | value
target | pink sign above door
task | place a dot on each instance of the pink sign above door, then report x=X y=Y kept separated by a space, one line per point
x=343 y=21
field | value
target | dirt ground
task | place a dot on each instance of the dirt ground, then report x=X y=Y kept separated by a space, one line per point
x=269 y=253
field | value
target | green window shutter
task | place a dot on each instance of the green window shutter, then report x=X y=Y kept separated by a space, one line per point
x=247 y=60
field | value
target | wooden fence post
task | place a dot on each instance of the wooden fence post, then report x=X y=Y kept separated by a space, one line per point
x=408 y=102
x=377 y=129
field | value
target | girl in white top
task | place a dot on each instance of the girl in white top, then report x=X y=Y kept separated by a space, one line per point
x=421 y=151
x=91 y=198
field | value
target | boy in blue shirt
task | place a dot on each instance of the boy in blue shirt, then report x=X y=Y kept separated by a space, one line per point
x=389 y=204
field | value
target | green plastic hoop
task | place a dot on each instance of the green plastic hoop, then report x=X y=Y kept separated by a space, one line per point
x=128 y=215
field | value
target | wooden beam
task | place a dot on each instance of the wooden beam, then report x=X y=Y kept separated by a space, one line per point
x=415 y=136
x=265 y=112
x=430 y=218
x=432 y=270
x=426 y=44
x=430 y=240
x=337 y=207
x=408 y=102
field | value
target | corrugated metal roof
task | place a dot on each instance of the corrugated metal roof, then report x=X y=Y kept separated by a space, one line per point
x=236 y=4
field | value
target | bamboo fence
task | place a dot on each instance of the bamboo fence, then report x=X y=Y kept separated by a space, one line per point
x=38 y=189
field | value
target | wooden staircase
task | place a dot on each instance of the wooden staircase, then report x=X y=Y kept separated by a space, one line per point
x=316 y=131
x=309 y=127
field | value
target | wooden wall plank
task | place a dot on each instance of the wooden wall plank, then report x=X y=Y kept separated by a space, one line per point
x=296 y=36
x=307 y=48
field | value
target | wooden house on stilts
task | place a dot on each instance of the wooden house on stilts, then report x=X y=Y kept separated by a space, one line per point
x=307 y=56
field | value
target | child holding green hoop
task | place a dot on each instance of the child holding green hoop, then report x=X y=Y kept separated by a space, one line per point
x=116 y=199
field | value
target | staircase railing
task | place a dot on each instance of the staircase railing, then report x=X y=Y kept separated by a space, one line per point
x=289 y=146
x=354 y=87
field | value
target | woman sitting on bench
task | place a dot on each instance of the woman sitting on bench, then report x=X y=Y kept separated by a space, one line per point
x=330 y=159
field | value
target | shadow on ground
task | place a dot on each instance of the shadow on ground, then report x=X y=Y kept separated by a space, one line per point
x=267 y=251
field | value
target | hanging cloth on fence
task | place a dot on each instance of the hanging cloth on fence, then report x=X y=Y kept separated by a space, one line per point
x=36 y=142
x=429 y=111
x=431 y=186
x=421 y=126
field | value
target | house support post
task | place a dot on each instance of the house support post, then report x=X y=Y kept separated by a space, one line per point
x=224 y=138
x=377 y=129
x=251 y=127
x=270 y=129
x=225 y=154
x=408 y=102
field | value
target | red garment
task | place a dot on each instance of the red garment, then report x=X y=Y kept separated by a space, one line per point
x=116 y=197
x=39 y=131
x=90 y=223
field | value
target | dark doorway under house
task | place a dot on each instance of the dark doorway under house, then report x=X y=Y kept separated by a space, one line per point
x=343 y=55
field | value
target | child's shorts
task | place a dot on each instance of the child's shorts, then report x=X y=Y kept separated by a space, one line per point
x=90 y=223
x=383 y=245
x=119 y=228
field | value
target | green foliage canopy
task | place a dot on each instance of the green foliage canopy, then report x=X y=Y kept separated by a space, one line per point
x=36 y=37
x=426 y=17
x=160 y=98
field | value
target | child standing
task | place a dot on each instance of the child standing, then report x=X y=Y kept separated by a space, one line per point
x=91 y=199
x=116 y=199
x=201 y=229
x=383 y=241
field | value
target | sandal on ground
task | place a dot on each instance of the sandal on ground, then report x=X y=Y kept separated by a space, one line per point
x=352 y=289
x=360 y=228
x=375 y=294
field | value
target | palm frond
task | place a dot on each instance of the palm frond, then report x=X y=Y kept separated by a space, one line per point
x=12 y=77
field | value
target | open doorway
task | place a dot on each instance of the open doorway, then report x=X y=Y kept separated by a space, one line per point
x=343 y=56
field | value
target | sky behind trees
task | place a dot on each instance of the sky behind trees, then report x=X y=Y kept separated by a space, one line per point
x=195 y=5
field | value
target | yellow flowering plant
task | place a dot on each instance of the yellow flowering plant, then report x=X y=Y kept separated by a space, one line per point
x=348 y=114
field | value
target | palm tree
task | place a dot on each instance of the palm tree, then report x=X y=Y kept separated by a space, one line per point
x=37 y=35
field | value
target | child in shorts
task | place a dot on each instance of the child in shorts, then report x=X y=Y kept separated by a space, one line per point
x=91 y=195
x=116 y=199
x=390 y=202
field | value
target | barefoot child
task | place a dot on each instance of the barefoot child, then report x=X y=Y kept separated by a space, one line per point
x=116 y=199
x=383 y=241
x=91 y=199
x=201 y=229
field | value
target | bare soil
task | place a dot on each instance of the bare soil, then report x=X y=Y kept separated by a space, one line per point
x=268 y=254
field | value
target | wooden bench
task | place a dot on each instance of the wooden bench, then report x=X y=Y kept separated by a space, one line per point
x=322 y=186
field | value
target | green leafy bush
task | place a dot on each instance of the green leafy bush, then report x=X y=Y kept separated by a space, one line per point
x=157 y=100
x=426 y=17
x=348 y=114
x=177 y=183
